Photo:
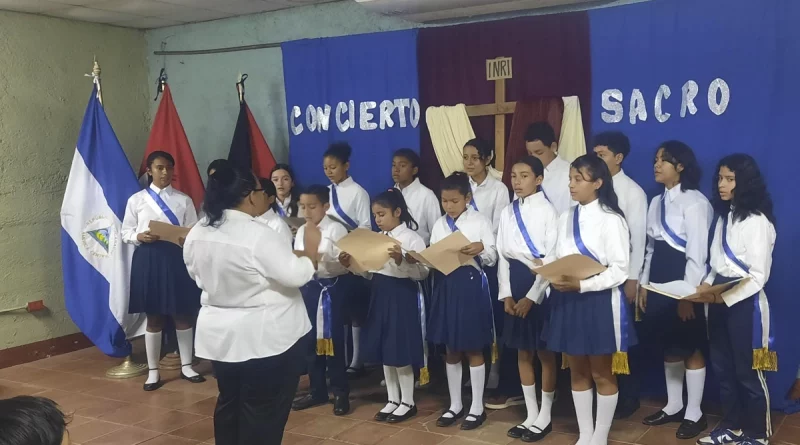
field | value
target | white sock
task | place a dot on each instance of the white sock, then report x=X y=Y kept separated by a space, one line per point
x=356 y=361
x=530 y=404
x=695 y=382
x=494 y=375
x=152 y=344
x=454 y=385
x=185 y=346
x=478 y=376
x=606 y=405
x=583 y=411
x=406 y=375
x=544 y=412
x=392 y=389
x=674 y=373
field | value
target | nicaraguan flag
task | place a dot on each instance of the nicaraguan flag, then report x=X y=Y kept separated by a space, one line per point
x=95 y=262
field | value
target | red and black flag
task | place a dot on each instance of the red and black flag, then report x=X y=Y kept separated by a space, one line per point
x=249 y=149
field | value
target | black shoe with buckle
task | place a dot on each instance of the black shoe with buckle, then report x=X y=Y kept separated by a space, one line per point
x=534 y=434
x=517 y=431
x=196 y=379
x=307 y=402
x=382 y=416
x=662 y=418
x=690 y=430
x=341 y=406
x=412 y=411
x=444 y=422
x=153 y=386
x=473 y=421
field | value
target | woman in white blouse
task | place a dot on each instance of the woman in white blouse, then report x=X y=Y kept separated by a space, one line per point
x=253 y=320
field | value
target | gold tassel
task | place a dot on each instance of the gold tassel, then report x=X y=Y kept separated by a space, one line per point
x=765 y=360
x=325 y=347
x=619 y=363
x=495 y=353
x=424 y=376
x=564 y=361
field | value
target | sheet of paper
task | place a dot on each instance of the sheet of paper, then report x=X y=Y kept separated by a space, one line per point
x=445 y=256
x=577 y=266
x=168 y=232
x=681 y=290
x=294 y=223
x=369 y=249
x=346 y=226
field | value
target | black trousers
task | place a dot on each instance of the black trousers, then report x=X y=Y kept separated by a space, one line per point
x=255 y=397
x=743 y=390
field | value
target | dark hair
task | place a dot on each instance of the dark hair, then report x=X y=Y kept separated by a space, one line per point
x=676 y=152
x=750 y=195
x=598 y=169
x=340 y=151
x=320 y=191
x=269 y=189
x=226 y=189
x=393 y=199
x=216 y=164
x=616 y=141
x=295 y=196
x=483 y=148
x=409 y=155
x=27 y=420
x=540 y=131
x=534 y=163
x=458 y=181
x=159 y=154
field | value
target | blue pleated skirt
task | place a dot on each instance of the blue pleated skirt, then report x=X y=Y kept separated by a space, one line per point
x=524 y=333
x=461 y=312
x=160 y=283
x=392 y=333
x=661 y=327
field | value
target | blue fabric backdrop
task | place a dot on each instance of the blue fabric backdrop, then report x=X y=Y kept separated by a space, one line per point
x=373 y=75
x=754 y=48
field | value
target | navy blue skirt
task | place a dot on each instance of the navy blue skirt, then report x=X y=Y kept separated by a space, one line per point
x=461 y=313
x=583 y=323
x=357 y=299
x=524 y=333
x=662 y=328
x=160 y=283
x=392 y=333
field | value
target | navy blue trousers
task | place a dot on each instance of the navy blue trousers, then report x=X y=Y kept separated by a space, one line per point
x=318 y=364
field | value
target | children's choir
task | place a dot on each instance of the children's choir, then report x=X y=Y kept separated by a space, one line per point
x=496 y=303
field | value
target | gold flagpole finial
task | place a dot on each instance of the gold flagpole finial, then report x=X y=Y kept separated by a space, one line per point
x=96 y=79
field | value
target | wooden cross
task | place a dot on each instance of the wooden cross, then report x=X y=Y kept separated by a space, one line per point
x=497 y=70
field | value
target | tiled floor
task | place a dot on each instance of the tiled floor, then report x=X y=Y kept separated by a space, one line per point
x=108 y=412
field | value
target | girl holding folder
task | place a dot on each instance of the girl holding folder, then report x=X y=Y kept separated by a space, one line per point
x=160 y=284
x=461 y=306
x=677 y=248
x=349 y=203
x=527 y=238
x=588 y=321
x=739 y=327
x=393 y=333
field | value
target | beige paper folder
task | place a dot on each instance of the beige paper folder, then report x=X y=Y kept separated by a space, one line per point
x=680 y=290
x=445 y=256
x=369 y=250
x=576 y=266
x=168 y=232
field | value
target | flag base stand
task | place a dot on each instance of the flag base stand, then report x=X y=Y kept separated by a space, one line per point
x=127 y=369
x=170 y=361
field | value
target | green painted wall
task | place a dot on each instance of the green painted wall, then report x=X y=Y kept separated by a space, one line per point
x=43 y=95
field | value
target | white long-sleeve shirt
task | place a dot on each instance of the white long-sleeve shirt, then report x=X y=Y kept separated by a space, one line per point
x=409 y=240
x=556 y=184
x=276 y=223
x=353 y=201
x=751 y=242
x=541 y=222
x=605 y=234
x=286 y=206
x=689 y=216
x=251 y=302
x=328 y=265
x=633 y=202
x=491 y=197
x=476 y=228
x=423 y=206
x=142 y=208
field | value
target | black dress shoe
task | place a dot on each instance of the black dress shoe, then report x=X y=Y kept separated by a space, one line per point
x=382 y=416
x=308 y=402
x=341 y=406
x=517 y=432
x=662 y=418
x=196 y=379
x=444 y=422
x=534 y=434
x=689 y=429
x=626 y=408
x=397 y=419
x=153 y=386
x=472 y=421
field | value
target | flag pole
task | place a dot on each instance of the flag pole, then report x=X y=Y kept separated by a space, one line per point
x=128 y=368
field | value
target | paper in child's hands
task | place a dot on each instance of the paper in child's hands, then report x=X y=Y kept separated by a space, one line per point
x=368 y=250
x=445 y=256
x=168 y=232
x=575 y=266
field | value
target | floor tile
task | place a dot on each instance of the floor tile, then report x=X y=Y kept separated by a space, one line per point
x=170 y=421
x=490 y=432
x=662 y=436
x=204 y=407
x=125 y=436
x=791 y=420
x=787 y=434
x=96 y=407
x=412 y=437
x=92 y=430
x=630 y=432
x=298 y=439
x=170 y=440
x=559 y=439
x=326 y=427
x=367 y=433
x=133 y=413
x=199 y=431
x=297 y=418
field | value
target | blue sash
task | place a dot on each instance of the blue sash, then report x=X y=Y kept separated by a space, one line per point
x=164 y=207
x=545 y=194
x=675 y=238
x=576 y=234
x=472 y=203
x=338 y=208
x=325 y=318
x=280 y=210
x=524 y=231
x=727 y=248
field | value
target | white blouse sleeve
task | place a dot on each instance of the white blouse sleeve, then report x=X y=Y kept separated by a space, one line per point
x=697 y=220
x=363 y=210
x=503 y=267
x=637 y=223
x=550 y=241
x=274 y=259
x=417 y=272
x=616 y=243
x=489 y=255
x=501 y=201
x=759 y=236
x=190 y=214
